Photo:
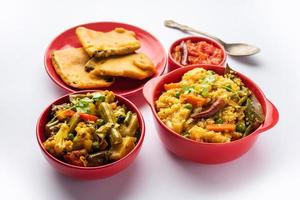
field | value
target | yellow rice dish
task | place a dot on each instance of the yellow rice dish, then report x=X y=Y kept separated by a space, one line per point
x=208 y=107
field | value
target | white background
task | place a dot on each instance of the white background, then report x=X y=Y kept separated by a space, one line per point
x=271 y=169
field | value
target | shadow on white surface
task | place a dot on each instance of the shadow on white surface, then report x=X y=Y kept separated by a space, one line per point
x=55 y=89
x=222 y=178
x=249 y=61
x=110 y=188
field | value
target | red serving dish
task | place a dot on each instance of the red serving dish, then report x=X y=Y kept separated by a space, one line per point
x=209 y=153
x=123 y=86
x=173 y=64
x=88 y=172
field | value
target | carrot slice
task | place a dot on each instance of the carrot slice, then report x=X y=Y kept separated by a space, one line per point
x=63 y=114
x=172 y=86
x=221 y=127
x=193 y=99
x=113 y=105
x=88 y=117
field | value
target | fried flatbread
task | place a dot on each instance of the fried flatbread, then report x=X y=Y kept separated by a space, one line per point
x=136 y=66
x=69 y=65
x=104 y=44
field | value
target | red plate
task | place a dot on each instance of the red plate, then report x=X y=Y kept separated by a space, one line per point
x=123 y=86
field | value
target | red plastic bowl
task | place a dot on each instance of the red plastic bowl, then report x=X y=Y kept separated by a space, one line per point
x=173 y=64
x=209 y=153
x=123 y=86
x=88 y=172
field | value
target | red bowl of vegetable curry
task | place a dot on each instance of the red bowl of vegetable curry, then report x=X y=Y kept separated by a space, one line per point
x=98 y=172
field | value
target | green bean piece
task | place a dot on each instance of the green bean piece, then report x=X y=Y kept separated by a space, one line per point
x=115 y=136
x=128 y=117
x=248 y=130
x=100 y=122
x=132 y=126
x=91 y=108
x=101 y=135
x=52 y=122
x=105 y=112
x=74 y=120
x=177 y=95
x=103 y=130
x=51 y=128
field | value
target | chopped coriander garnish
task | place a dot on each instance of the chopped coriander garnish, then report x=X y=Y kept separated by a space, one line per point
x=210 y=79
x=204 y=92
x=211 y=72
x=206 y=83
x=228 y=88
x=177 y=95
x=97 y=96
x=188 y=89
x=82 y=105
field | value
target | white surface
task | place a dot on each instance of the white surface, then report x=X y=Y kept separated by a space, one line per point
x=269 y=170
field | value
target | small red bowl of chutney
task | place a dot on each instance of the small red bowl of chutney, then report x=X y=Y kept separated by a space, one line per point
x=195 y=50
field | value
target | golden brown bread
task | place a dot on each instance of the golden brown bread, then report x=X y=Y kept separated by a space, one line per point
x=104 y=44
x=69 y=65
x=136 y=66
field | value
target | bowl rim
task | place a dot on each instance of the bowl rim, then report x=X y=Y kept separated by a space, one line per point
x=135 y=149
x=196 y=38
x=188 y=68
x=70 y=89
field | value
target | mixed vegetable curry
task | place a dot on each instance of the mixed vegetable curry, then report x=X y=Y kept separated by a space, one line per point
x=91 y=130
x=208 y=107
